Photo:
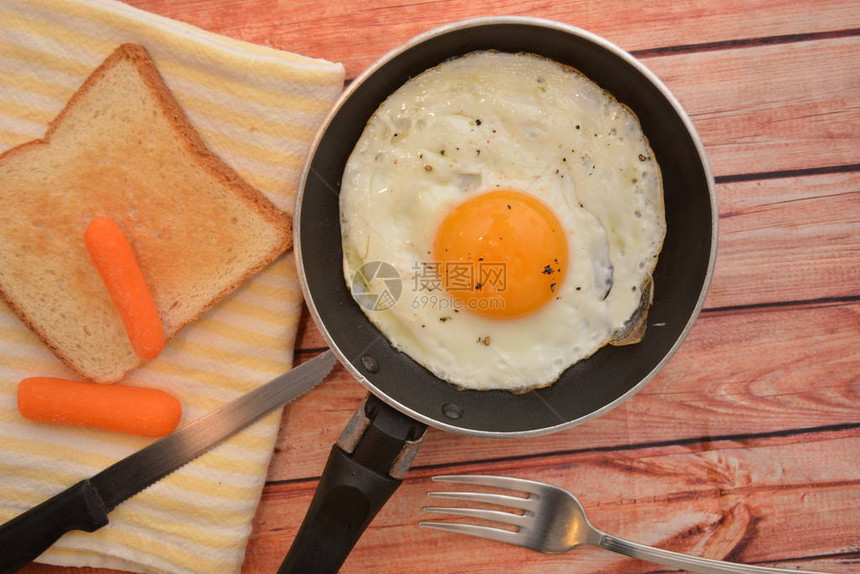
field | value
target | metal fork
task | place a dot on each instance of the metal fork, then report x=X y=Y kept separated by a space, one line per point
x=554 y=521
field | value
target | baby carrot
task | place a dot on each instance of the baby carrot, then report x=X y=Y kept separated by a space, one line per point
x=119 y=408
x=115 y=261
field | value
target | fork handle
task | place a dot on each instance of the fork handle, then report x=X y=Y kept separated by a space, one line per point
x=689 y=563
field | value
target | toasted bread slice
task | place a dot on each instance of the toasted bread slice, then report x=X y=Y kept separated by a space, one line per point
x=122 y=148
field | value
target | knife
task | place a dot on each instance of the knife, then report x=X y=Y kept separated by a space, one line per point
x=85 y=505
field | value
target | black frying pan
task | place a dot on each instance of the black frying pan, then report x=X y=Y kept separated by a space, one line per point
x=375 y=450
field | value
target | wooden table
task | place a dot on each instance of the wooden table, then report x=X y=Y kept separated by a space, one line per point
x=747 y=446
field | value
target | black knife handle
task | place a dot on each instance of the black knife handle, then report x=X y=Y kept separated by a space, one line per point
x=26 y=536
x=355 y=485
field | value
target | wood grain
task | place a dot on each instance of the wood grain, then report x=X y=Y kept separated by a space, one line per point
x=739 y=500
x=788 y=104
x=357 y=33
x=745 y=446
x=787 y=239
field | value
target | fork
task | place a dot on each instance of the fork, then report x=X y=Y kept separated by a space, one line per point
x=554 y=521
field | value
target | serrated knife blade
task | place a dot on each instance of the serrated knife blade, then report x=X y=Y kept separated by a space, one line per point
x=85 y=505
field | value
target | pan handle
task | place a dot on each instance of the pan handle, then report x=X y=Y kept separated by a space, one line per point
x=364 y=469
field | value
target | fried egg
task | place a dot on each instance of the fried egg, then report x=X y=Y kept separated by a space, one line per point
x=504 y=214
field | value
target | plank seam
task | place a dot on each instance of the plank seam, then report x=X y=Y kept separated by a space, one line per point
x=786 y=173
x=631 y=446
x=310 y=351
x=778 y=304
x=732 y=44
x=656 y=444
x=746 y=43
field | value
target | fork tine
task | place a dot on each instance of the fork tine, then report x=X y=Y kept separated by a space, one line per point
x=489 y=498
x=508 y=482
x=482 y=514
x=473 y=530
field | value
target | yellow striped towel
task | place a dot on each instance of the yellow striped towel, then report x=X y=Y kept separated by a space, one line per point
x=258 y=109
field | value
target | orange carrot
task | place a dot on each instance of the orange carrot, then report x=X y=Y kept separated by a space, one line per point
x=119 y=408
x=114 y=258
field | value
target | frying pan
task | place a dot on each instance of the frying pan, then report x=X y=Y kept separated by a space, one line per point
x=375 y=450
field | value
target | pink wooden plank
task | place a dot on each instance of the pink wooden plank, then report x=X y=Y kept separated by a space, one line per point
x=750 y=501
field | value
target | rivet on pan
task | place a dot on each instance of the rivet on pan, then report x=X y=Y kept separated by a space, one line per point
x=370 y=364
x=452 y=411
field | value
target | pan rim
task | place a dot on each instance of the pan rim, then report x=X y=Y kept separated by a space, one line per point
x=491 y=21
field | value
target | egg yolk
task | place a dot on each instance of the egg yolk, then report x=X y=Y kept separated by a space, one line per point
x=501 y=254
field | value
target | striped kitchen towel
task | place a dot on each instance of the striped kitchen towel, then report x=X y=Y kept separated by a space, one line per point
x=257 y=108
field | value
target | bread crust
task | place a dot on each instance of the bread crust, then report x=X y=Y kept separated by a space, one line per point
x=191 y=140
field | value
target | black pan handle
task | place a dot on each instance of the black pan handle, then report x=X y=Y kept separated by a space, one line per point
x=364 y=469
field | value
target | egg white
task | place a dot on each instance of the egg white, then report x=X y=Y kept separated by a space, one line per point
x=488 y=121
